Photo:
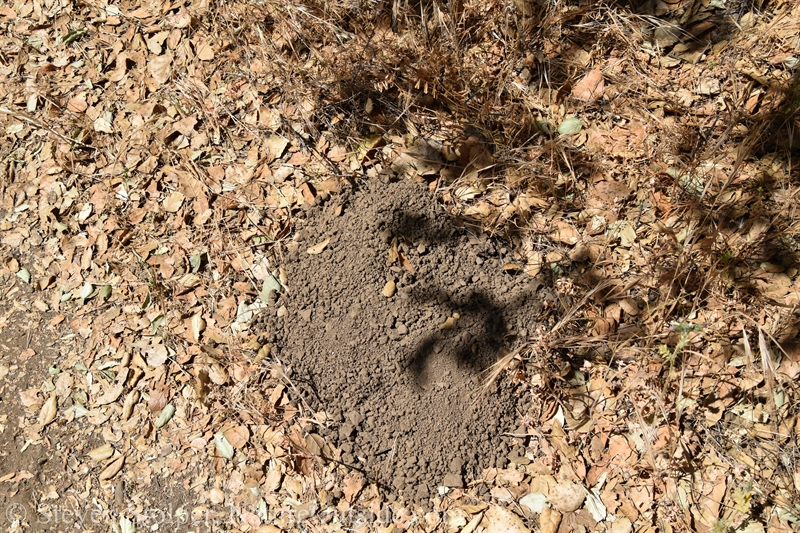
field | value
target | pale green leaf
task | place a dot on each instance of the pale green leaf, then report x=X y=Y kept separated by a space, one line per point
x=165 y=416
x=223 y=446
x=570 y=126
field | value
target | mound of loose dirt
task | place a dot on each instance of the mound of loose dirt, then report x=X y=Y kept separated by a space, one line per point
x=400 y=373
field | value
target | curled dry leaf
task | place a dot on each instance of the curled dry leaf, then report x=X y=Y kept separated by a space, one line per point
x=197 y=325
x=49 y=410
x=318 y=248
x=549 y=520
x=112 y=469
x=101 y=453
x=130 y=403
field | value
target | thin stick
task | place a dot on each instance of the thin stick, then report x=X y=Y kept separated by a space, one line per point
x=43 y=126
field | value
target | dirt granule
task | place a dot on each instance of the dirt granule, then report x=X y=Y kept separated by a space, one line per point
x=400 y=374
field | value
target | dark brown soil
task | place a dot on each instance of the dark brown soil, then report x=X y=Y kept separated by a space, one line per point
x=36 y=465
x=402 y=390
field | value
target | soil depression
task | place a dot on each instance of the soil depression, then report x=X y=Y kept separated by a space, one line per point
x=400 y=374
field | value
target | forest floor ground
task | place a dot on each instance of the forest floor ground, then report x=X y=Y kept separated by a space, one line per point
x=430 y=266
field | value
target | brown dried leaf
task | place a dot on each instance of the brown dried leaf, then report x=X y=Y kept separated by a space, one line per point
x=565 y=233
x=405 y=263
x=114 y=391
x=318 y=248
x=101 y=453
x=49 y=410
x=77 y=104
x=204 y=51
x=353 y=484
x=173 y=202
x=130 y=402
x=590 y=88
x=549 y=520
x=629 y=306
x=112 y=469
x=158 y=399
x=160 y=68
x=273 y=480
x=275 y=145
x=238 y=436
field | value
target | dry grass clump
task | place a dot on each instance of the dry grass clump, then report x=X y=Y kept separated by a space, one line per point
x=441 y=69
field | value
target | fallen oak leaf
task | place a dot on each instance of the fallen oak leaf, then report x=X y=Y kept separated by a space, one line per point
x=114 y=391
x=237 y=436
x=48 y=411
x=318 y=248
x=500 y=520
x=590 y=88
x=101 y=453
x=353 y=484
x=405 y=263
x=112 y=469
